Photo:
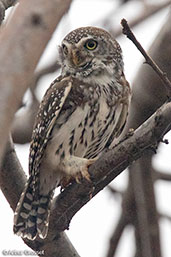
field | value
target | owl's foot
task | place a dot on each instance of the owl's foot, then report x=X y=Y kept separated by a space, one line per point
x=76 y=168
x=84 y=171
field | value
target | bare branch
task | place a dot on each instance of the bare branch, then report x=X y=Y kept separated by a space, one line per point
x=158 y=175
x=165 y=216
x=127 y=31
x=114 y=191
x=127 y=217
x=146 y=225
x=117 y=233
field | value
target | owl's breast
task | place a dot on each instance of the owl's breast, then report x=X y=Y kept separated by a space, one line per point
x=84 y=125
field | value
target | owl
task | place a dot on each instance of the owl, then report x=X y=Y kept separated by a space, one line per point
x=82 y=112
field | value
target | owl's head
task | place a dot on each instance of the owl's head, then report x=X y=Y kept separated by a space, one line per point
x=90 y=51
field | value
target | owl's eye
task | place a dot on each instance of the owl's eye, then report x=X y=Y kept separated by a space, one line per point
x=91 y=44
x=65 y=49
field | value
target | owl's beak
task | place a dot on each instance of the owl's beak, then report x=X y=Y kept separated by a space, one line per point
x=77 y=59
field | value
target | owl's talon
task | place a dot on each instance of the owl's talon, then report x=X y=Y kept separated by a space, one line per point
x=85 y=174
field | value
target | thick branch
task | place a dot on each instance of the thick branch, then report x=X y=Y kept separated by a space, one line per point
x=146 y=217
x=23 y=40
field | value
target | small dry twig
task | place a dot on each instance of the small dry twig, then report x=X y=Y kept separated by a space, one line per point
x=127 y=31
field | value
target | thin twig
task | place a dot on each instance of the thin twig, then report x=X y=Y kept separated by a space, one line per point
x=114 y=190
x=127 y=31
x=158 y=175
x=165 y=216
x=116 y=235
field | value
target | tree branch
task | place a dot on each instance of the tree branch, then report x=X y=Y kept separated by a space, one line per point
x=146 y=225
x=117 y=233
x=127 y=31
x=127 y=217
x=158 y=175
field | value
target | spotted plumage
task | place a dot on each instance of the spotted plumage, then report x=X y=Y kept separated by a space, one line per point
x=82 y=112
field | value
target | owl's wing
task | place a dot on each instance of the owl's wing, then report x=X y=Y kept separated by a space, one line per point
x=48 y=112
x=123 y=112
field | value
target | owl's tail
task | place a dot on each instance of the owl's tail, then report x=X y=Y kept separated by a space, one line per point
x=31 y=217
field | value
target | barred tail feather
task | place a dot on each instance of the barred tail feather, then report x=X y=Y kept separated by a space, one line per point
x=31 y=217
x=43 y=213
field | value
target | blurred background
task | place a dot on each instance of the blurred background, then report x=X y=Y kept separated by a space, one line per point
x=111 y=224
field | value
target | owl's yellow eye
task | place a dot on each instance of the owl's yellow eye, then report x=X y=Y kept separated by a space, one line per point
x=91 y=44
